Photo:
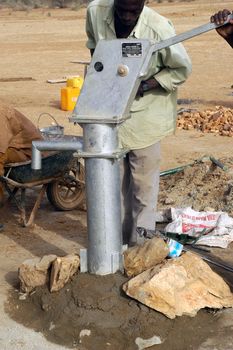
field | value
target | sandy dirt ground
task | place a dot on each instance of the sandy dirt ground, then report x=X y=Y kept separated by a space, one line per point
x=41 y=44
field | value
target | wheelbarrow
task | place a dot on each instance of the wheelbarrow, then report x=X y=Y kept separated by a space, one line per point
x=61 y=178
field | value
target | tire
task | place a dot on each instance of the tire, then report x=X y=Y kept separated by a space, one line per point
x=68 y=193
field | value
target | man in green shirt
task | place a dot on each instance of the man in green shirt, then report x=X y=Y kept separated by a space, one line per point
x=153 y=112
x=226 y=31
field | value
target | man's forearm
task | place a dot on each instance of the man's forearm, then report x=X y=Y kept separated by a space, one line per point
x=226 y=31
x=230 y=40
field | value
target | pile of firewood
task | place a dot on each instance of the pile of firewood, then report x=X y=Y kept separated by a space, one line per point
x=218 y=121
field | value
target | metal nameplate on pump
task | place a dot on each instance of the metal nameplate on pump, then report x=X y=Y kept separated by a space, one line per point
x=131 y=49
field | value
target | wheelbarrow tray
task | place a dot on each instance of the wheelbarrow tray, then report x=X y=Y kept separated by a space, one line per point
x=52 y=166
x=61 y=177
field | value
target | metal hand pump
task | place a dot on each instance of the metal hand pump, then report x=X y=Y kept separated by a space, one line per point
x=110 y=86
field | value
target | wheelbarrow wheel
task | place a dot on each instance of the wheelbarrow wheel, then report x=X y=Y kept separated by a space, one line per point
x=67 y=193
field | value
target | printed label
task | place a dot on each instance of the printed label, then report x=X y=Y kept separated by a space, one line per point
x=131 y=49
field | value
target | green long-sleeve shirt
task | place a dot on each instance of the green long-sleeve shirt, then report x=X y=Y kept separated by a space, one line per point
x=153 y=116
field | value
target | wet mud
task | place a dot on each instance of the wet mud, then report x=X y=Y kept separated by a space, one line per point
x=97 y=307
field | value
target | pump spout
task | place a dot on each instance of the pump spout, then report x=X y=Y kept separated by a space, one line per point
x=59 y=145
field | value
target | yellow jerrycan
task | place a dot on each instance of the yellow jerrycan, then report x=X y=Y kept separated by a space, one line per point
x=70 y=93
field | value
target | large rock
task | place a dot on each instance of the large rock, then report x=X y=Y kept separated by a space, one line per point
x=35 y=272
x=180 y=286
x=142 y=257
x=62 y=270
